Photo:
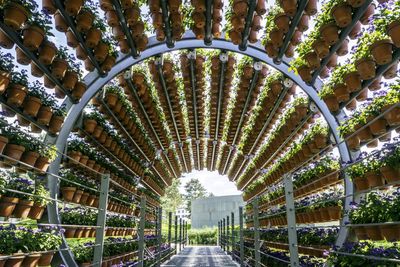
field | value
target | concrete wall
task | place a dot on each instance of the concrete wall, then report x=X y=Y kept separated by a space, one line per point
x=206 y=212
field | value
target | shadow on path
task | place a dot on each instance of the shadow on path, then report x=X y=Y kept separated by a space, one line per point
x=201 y=256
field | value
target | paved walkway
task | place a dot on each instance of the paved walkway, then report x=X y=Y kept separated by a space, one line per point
x=201 y=256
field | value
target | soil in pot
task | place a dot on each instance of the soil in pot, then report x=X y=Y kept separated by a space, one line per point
x=7 y=205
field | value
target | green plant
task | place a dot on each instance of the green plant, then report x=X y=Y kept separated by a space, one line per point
x=205 y=236
x=41 y=196
x=41 y=20
x=6 y=62
x=365 y=42
x=20 y=78
x=385 y=15
x=24 y=187
x=30 y=5
x=48 y=151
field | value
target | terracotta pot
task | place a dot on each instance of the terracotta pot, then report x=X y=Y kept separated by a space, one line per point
x=42 y=164
x=31 y=260
x=378 y=127
x=77 y=196
x=352 y=81
x=32 y=105
x=341 y=92
x=344 y=48
x=354 y=33
x=30 y=157
x=366 y=68
x=33 y=37
x=48 y=6
x=376 y=84
x=390 y=232
x=393 y=30
x=55 y=124
x=329 y=33
x=68 y=193
x=289 y=6
x=15 y=15
x=112 y=18
x=36 y=212
x=373 y=232
x=361 y=183
x=321 y=48
x=69 y=232
x=15 y=260
x=312 y=60
x=72 y=7
x=374 y=179
x=391 y=72
x=93 y=37
x=363 y=95
x=271 y=50
x=59 y=22
x=239 y=7
x=342 y=13
x=305 y=73
x=70 y=79
x=7 y=205
x=361 y=233
x=365 y=19
x=276 y=37
x=290 y=51
x=106 y=5
x=79 y=90
x=46 y=259
x=335 y=212
x=311 y=8
x=47 y=52
x=14 y=151
x=296 y=38
x=101 y=52
x=4 y=81
x=3 y=143
x=59 y=67
x=84 y=21
x=132 y=14
x=5 y=42
x=390 y=174
x=16 y=94
x=260 y=8
x=44 y=115
x=382 y=52
x=108 y=63
x=392 y=117
x=282 y=22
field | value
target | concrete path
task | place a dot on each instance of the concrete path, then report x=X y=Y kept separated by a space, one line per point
x=201 y=256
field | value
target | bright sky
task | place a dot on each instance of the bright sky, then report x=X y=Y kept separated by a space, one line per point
x=214 y=182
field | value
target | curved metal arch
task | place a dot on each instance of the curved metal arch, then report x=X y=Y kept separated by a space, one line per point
x=95 y=82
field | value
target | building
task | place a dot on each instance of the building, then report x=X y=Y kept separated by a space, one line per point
x=206 y=212
x=182 y=212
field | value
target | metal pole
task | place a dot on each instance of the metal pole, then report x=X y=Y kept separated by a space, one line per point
x=256 y=233
x=227 y=233
x=101 y=221
x=180 y=234
x=159 y=232
x=223 y=234
x=218 y=237
x=169 y=227
x=291 y=221
x=176 y=234
x=233 y=231
x=241 y=236
x=141 y=231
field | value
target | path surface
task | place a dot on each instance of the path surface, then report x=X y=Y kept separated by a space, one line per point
x=201 y=256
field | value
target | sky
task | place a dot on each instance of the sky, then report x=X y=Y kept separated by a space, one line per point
x=214 y=182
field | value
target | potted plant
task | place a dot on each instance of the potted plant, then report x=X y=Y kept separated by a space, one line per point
x=16 y=143
x=41 y=198
x=16 y=13
x=60 y=63
x=57 y=119
x=17 y=90
x=48 y=153
x=49 y=240
x=25 y=203
x=33 y=101
x=300 y=66
x=45 y=111
x=6 y=68
x=37 y=28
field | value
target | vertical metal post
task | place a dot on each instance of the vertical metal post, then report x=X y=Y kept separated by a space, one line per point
x=219 y=234
x=176 y=234
x=180 y=234
x=141 y=231
x=256 y=233
x=101 y=220
x=169 y=227
x=233 y=231
x=241 y=236
x=291 y=221
x=227 y=233
x=159 y=232
x=223 y=234
x=185 y=235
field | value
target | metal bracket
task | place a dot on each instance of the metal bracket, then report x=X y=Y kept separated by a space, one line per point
x=257 y=66
x=288 y=83
x=127 y=75
x=223 y=57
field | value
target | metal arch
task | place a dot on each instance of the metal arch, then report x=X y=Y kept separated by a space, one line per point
x=94 y=82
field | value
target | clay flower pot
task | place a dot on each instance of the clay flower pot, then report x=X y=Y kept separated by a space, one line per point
x=5 y=42
x=344 y=48
x=305 y=73
x=36 y=212
x=3 y=143
x=373 y=232
x=55 y=124
x=311 y=8
x=342 y=14
x=59 y=67
x=352 y=81
x=321 y=48
x=72 y=7
x=15 y=15
x=101 y=52
x=22 y=58
x=84 y=21
x=47 y=52
x=373 y=179
x=49 y=7
x=303 y=23
x=4 y=81
x=391 y=72
x=15 y=260
x=312 y=60
x=44 y=115
x=329 y=33
x=361 y=183
x=70 y=79
x=341 y=93
x=366 y=68
x=22 y=209
x=33 y=37
x=59 y=22
x=16 y=94
x=391 y=175
x=378 y=127
x=355 y=31
x=7 y=205
x=112 y=18
x=31 y=106
x=30 y=157
x=276 y=37
x=108 y=63
x=271 y=50
x=289 y=6
x=46 y=258
x=240 y=7
x=382 y=52
x=392 y=117
x=393 y=31
x=107 y=5
x=68 y=193
x=282 y=22
x=79 y=90
x=368 y=14
x=42 y=164
x=93 y=37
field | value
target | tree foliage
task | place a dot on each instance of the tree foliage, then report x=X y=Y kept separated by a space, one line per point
x=194 y=190
x=172 y=199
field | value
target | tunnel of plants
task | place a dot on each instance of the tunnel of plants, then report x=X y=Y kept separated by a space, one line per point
x=105 y=102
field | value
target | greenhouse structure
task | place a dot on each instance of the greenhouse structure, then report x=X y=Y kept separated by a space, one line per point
x=105 y=102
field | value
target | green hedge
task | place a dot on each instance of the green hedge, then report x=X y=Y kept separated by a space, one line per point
x=205 y=236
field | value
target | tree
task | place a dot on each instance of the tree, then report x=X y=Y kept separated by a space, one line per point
x=194 y=190
x=172 y=199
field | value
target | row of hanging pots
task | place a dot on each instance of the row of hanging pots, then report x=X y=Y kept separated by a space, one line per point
x=20 y=208
x=175 y=19
x=326 y=214
x=78 y=196
x=390 y=232
x=317 y=251
x=199 y=18
x=33 y=259
x=119 y=231
x=315 y=186
x=374 y=179
x=79 y=231
x=148 y=180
